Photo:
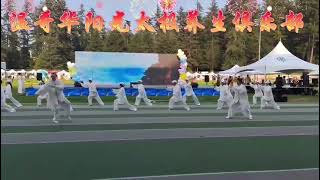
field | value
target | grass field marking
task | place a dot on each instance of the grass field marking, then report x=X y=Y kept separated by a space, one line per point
x=83 y=124
x=173 y=129
x=217 y=173
x=154 y=138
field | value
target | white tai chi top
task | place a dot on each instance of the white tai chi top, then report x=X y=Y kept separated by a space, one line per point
x=92 y=88
x=257 y=90
x=55 y=93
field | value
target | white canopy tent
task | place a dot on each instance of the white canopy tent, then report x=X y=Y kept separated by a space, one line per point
x=280 y=60
x=314 y=73
x=232 y=71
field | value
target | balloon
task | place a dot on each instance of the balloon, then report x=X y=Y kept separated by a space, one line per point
x=183 y=76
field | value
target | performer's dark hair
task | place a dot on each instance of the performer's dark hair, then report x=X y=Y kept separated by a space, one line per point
x=9 y=84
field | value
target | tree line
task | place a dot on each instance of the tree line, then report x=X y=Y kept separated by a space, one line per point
x=205 y=50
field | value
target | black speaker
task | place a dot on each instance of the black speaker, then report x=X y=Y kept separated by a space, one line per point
x=39 y=76
x=206 y=78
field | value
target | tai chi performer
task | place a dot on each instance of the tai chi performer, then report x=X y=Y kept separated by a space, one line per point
x=257 y=92
x=43 y=96
x=177 y=97
x=93 y=93
x=8 y=93
x=240 y=101
x=225 y=98
x=268 y=99
x=142 y=95
x=56 y=99
x=122 y=100
x=4 y=105
x=21 y=81
x=189 y=92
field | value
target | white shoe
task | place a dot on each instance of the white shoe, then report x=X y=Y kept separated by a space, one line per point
x=228 y=117
x=198 y=104
x=12 y=110
x=188 y=109
x=19 y=106
x=69 y=118
x=55 y=120
x=250 y=117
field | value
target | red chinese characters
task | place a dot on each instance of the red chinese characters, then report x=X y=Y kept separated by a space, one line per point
x=44 y=21
x=218 y=23
x=18 y=21
x=243 y=21
x=293 y=22
x=96 y=22
x=266 y=22
x=193 y=22
x=142 y=23
x=117 y=22
x=168 y=22
x=69 y=19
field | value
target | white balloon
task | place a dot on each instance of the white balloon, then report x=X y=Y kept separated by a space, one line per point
x=44 y=9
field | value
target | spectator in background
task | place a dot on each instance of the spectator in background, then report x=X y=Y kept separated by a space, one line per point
x=248 y=80
x=230 y=79
x=284 y=81
x=21 y=81
x=279 y=82
x=218 y=81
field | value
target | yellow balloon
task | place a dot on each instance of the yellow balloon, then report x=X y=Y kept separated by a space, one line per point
x=183 y=76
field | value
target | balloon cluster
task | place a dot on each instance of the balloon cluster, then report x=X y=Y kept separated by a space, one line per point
x=72 y=69
x=183 y=65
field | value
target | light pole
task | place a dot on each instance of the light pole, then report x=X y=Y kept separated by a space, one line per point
x=269 y=8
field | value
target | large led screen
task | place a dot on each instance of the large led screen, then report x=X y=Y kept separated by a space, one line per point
x=108 y=68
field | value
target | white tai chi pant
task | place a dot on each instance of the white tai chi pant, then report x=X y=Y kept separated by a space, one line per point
x=173 y=100
x=238 y=108
x=40 y=98
x=194 y=97
x=7 y=107
x=14 y=101
x=255 y=99
x=117 y=102
x=269 y=102
x=145 y=99
x=223 y=103
x=97 y=98
x=66 y=106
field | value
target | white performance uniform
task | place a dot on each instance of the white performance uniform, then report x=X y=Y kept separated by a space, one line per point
x=93 y=94
x=4 y=105
x=21 y=88
x=142 y=95
x=8 y=94
x=225 y=98
x=122 y=100
x=189 y=92
x=56 y=98
x=240 y=103
x=42 y=96
x=177 y=98
x=268 y=99
x=257 y=93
